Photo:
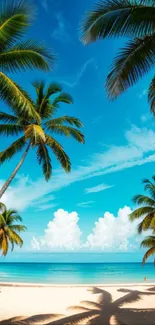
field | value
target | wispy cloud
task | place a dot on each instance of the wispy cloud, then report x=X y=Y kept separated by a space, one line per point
x=138 y=150
x=89 y=63
x=142 y=93
x=87 y=204
x=110 y=233
x=62 y=30
x=98 y=188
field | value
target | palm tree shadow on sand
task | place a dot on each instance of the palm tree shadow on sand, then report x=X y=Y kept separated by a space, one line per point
x=105 y=311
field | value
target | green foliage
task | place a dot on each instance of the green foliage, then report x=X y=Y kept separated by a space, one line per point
x=18 y=55
x=33 y=129
x=147 y=212
x=127 y=18
x=148 y=242
x=147 y=207
x=9 y=230
x=111 y=18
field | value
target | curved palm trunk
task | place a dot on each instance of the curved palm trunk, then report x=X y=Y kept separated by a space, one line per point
x=7 y=183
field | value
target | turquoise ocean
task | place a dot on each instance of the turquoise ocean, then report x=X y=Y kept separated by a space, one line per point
x=76 y=273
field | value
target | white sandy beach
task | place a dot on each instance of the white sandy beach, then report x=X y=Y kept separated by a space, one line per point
x=131 y=304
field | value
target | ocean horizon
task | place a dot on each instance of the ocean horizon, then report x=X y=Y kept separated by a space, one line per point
x=76 y=273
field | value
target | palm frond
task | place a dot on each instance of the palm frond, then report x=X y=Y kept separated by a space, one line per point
x=131 y=63
x=35 y=133
x=62 y=98
x=14 y=237
x=52 y=89
x=9 y=230
x=146 y=223
x=12 y=216
x=149 y=253
x=18 y=228
x=39 y=87
x=14 y=20
x=118 y=18
x=151 y=189
x=44 y=160
x=148 y=241
x=151 y=95
x=8 y=118
x=26 y=55
x=65 y=119
x=138 y=213
x=67 y=131
x=59 y=153
x=10 y=129
x=17 y=98
x=142 y=199
x=15 y=147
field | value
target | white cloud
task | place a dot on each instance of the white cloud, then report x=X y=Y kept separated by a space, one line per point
x=113 y=233
x=62 y=233
x=61 y=32
x=88 y=63
x=87 y=204
x=110 y=233
x=98 y=188
x=142 y=93
x=26 y=194
x=140 y=144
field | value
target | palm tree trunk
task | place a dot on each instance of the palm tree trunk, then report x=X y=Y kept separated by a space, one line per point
x=12 y=176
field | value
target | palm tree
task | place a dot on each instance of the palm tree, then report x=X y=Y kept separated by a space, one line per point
x=9 y=230
x=148 y=242
x=17 y=54
x=147 y=207
x=125 y=18
x=33 y=132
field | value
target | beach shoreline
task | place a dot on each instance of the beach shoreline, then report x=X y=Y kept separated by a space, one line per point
x=55 y=285
x=28 y=300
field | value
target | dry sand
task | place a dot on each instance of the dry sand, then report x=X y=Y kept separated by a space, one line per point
x=41 y=304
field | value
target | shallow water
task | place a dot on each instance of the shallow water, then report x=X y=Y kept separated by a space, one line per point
x=76 y=273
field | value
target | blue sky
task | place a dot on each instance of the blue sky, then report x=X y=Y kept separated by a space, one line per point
x=86 y=210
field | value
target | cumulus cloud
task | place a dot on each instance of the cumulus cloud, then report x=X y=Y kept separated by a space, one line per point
x=110 y=233
x=62 y=233
x=98 y=188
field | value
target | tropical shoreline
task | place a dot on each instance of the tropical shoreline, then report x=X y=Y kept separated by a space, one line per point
x=86 y=285
x=36 y=302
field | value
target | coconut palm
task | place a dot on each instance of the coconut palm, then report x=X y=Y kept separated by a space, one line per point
x=148 y=242
x=17 y=54
x=9 y=230
x=125 y=18
x=38 y=134
x=147 y=207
